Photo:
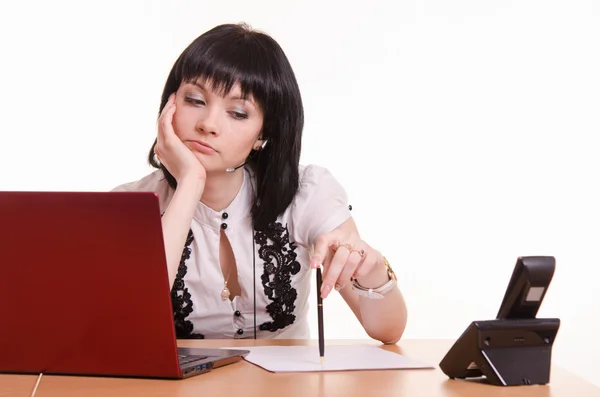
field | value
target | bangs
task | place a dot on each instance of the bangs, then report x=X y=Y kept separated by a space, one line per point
x=223 y=63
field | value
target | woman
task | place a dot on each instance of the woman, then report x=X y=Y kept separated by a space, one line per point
x=240 y=216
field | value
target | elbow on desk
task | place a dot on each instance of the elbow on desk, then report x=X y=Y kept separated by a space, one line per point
x=389 y=338
x=389 y=335
x=386 y=339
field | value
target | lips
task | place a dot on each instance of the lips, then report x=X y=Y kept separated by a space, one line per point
x=201 y=147
x=205 y=144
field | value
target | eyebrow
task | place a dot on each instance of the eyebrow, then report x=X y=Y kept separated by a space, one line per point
x=199 y=85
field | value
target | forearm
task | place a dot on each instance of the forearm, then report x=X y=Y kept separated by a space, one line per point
x=176 y=223
x=383 y=319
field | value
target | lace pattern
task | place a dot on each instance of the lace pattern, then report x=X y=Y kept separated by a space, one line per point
x=280 y=263
x=181 y=298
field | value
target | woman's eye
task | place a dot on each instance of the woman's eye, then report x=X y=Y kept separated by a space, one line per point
x=239 y=115
x=194 y=101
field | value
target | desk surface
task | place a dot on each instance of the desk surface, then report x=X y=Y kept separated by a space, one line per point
x=243 y=379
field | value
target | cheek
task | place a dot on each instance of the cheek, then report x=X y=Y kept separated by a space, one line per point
x=182 y=121
x=248 y=135
x=251 y=130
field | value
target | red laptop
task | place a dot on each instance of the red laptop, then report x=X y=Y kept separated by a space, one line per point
x=84 y=288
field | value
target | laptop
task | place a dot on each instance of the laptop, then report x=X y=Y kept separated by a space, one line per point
x=84 y=289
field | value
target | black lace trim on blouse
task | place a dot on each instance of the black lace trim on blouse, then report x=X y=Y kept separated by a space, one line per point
x=279 y=265
x=181 y=298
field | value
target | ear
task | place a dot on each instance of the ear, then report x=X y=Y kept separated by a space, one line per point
x=260 y=144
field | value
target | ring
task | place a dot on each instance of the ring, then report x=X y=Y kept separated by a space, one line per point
x=350 y=247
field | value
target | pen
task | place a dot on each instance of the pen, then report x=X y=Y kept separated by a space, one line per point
x=320 y=313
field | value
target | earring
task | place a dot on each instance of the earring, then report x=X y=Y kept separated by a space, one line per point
x=257 y=147
x=262 y=146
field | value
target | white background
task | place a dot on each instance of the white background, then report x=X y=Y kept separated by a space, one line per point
x=463 y=131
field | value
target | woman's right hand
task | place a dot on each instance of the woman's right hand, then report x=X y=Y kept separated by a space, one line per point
x=177 y=158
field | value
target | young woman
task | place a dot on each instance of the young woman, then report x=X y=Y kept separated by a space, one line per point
x=243 y=222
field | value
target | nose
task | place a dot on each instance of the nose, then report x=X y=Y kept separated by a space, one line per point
x=208 y=122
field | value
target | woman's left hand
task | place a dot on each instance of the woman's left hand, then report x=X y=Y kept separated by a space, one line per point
x=344 y=256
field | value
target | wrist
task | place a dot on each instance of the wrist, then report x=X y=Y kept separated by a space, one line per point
x=375 y=285
x=376 y=277
x=191 y=185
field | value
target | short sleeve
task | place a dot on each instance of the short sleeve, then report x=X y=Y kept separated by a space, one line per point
x=320 y=206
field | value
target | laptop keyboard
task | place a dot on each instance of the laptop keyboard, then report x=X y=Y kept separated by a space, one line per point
x=183 y=359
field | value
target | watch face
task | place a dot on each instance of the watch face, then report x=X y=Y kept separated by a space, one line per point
x=389 y=269
x=392 y=274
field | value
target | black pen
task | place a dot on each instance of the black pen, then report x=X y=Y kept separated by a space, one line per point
x=320 y=313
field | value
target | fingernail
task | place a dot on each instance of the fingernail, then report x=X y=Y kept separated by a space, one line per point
x=338 y=287
x=325 y=289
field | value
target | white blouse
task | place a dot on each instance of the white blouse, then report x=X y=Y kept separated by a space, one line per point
x=279 y=255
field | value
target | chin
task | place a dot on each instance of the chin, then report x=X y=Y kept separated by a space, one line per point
x=210 y=166
x=203 y=160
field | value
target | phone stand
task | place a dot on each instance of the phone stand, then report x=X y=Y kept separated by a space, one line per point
x=515 y=348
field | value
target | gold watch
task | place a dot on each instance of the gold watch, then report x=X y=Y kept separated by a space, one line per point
x=377 y=293
x=390 y=271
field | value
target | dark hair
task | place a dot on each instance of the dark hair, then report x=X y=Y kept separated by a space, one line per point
x=233 y=53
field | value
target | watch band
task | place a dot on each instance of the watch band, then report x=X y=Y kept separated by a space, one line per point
x=373 y=293
x=377 y=293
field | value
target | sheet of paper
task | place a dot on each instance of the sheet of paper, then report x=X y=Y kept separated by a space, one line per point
x=337 y=358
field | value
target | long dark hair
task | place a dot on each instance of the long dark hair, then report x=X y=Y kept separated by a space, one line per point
x=234 y=53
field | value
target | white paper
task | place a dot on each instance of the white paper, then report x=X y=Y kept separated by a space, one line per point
x=337 y=358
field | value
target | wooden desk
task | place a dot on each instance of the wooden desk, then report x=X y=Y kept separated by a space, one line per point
x=247 y=380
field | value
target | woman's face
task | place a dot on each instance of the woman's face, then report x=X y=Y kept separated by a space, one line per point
x=220 y=131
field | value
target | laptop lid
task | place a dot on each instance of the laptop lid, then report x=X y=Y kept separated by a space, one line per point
x=83 y=285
